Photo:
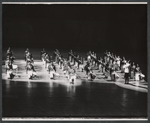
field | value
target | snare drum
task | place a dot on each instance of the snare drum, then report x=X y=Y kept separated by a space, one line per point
x=137 y=76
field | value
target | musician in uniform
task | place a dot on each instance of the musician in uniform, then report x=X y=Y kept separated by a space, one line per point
x=91 y=75
x=9 y=52
x=25 y=54
x=9 y=71
x=89 y=57
x=112 y=72
x=99 y=63
x=122 y=64
x=132 y=71
x=118 y=59
x=42 y=52
x=106 y=69
x=72 y=75
x=80 y=64
x=30 y=71
x=70 y=56
x=126 y=71
x=86 y=68
x=52 y=71
x=46 y=60
x=137 y=73
x=29 y=58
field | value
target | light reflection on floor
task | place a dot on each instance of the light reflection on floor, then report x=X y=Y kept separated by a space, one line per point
x=87 y=99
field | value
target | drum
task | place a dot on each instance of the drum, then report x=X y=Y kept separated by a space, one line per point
x=9 y=72
x=56 y=74
x=142 y=75
x=137 y=76
x=51 y=75
x=72 y=78
x=14 y=66
x=30 y=72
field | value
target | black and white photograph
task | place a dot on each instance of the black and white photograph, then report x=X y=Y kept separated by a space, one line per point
x=74 y=60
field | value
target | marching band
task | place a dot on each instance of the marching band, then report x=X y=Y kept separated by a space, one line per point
x=109 y=65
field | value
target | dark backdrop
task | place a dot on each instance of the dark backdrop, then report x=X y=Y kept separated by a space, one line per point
x=121 y=29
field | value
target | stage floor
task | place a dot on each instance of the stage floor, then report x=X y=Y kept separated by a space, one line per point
x=43 y=97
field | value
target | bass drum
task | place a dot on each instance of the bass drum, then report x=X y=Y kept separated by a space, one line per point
x=14 y=67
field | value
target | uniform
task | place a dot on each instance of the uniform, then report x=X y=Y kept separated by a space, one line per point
x=126 y=73
x=30 y=70
x=10 y=74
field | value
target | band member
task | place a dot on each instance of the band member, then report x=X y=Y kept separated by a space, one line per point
x=137 y=73
x=112 y=72
x=118 y=59
x=91 y=75
x=54 y=67
x=46 y=60
x=122 y=64
x=126 y=72
x=29 y=56
x=60 y=61
x=10 y=73
x=26 y=52
x=80 y=64
x=106 y=70
x=30 y=71
x=9 y=70
x=132 y=71
x=42 y=52
x=99 y=63
x=77 y=61
x=70 y=55
x=89 y=58
x=43 y=58
x=65 y=68
x=72 y=75
x=52 y=71
x=9 y=52
x=10 y=58
x=51 y=58
x=86 y=68
x=142 y=76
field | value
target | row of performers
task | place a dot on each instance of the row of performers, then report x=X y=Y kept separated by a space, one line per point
x=107 y=64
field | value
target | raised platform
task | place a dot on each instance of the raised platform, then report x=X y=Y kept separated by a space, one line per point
x=43 y=76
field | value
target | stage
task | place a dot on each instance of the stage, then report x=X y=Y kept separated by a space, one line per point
x=42 y=97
